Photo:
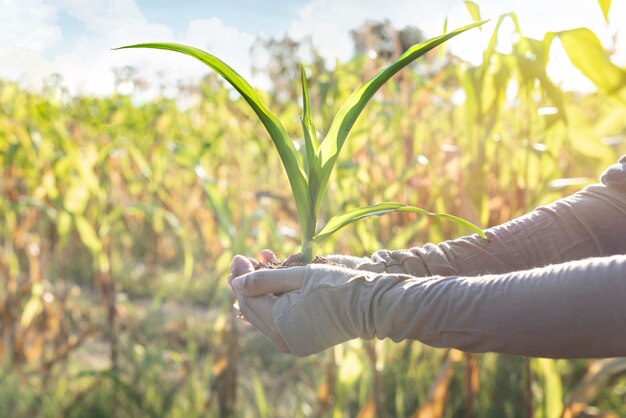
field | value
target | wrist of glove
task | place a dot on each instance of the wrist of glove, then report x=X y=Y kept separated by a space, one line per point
x=305 y=310
x=385 y=261
x=408 y=262
x=348 y=261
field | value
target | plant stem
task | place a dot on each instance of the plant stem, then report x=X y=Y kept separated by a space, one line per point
x=307 y=250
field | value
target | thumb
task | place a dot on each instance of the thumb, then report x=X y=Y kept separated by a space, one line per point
x=263 y=282
x=241 y=265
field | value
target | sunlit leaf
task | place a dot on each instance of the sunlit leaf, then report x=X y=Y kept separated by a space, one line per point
x=586 y=52
x=473 y=10
x=140 y=160
x=350 y=370
x=339 y=221
x=33 y=307
x=310 y=137
x=76 y=198
x=605 y=5
x=88 y=234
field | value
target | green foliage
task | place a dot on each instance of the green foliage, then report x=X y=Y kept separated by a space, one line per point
x=605 y=5
x=551 y=404
x=473 y=10
x=309 y=184
x=586 y=52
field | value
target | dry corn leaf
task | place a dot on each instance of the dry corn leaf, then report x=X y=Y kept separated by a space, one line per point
x=589 y=386
x=435 y=402
x=220 y=365
x=368 y=410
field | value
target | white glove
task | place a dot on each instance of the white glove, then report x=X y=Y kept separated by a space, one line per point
x=305 y=310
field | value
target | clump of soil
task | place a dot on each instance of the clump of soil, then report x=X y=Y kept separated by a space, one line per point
x=293 y=260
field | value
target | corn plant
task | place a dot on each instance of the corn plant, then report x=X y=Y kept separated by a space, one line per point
x=309 y=176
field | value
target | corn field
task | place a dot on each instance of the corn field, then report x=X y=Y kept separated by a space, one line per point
x=119 y=219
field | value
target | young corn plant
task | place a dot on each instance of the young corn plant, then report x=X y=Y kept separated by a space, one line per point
x=309 y=175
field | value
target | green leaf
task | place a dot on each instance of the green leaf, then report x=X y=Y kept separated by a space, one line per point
x=552 y=404
x=310 y=137
x=605 y=5
x=354 y=105
x=536 y=69
x=140 y=160
x=76 y=197
x=43 y=207
x=88 y=235
x=337 y=222
x=473 y=10
x=287 y=151
x=586 y=52
x=260 y=398
x=218 y=201
x=493 y=41
x=34 y=306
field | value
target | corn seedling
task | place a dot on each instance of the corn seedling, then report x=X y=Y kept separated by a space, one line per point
x=309 y=176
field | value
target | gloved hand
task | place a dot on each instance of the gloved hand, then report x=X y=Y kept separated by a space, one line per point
x=305 y=310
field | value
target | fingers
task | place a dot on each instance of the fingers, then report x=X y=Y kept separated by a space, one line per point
x=252 y=315
x=264 y=282
x=241 y=265
x=259 y=312
x=267 y=256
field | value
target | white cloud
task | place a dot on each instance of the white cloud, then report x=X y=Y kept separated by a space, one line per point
x=86 y=61
x=28 y=29
x=87 y=65
x=28 y=24
x=226 y=42
x=329 y=22
x=33 y=44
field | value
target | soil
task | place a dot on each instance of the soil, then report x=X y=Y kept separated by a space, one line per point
x=293 y=260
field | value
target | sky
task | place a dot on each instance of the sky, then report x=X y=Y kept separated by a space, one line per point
x=74 y=38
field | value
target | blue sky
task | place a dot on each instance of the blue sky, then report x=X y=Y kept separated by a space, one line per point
x=266 y=16
x=74 y=37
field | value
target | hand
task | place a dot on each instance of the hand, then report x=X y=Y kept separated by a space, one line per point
x=305 y=310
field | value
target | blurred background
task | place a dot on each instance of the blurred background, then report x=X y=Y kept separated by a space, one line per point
x=131 y=178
